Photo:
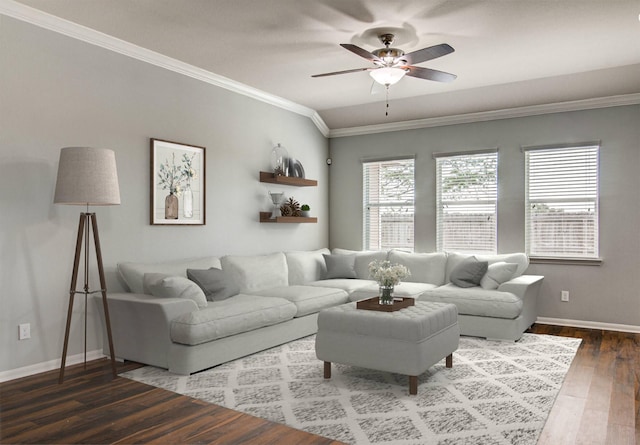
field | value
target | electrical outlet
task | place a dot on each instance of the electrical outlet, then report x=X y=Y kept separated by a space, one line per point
x=24 y=331
x=564 y=295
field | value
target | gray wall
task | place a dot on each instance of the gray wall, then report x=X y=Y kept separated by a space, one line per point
x=609 y=293
x=57 y=92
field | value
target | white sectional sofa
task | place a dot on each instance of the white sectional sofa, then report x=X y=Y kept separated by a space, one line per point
x=262 y=301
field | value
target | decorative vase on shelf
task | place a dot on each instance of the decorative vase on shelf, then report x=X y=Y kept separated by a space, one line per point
x=187 y=197
x=171 y=206
x=386 y=295
x=280 y=160
x=277 y=199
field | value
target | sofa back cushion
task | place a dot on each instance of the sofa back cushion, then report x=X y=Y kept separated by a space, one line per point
x=363 y=258
x=521 y=259
x=469 y=272
x=133 y=273
x=497 y=274
x=305 y=267
x=216 y=284
x=257 y=272
x=166 y=286
x=424 y=267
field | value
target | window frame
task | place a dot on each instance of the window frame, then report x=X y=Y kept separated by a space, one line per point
x=442 y=157
x=368 y=203
x=556 y=257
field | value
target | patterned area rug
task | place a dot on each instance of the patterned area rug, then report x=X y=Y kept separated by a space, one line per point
x=496 y=393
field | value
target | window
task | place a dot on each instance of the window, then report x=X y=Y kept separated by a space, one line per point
x=466 y=197
x=388 y=189
x=562 y=201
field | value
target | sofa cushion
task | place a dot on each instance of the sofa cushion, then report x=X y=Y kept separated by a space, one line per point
x=306 y=266
x=240 y=313
x=346 y=284
x=254 y=273
x=167 y=286
x=363 y=258
x=340 y=266
x=404 y=289
x=308 y=299
x=133 y=273
x=521 y=259
x=477 y=301
x=497 y=273
x=424 y=267
x=468 y=272
x=215 y=283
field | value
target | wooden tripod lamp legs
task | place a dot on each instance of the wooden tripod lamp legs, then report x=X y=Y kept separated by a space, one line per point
x=83 y=232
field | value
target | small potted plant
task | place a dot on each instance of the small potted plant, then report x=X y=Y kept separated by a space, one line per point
x=304 y=210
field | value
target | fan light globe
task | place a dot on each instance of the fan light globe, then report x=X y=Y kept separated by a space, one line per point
x=387 y=75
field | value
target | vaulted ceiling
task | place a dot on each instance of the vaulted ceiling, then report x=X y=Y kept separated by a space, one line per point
x=508 y=53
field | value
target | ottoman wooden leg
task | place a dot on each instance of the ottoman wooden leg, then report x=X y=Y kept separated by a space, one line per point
x=413 y=385
x=327 y=370
x=449 y=361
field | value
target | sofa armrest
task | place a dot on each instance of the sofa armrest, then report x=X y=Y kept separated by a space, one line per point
x=140 y=325
x=526 y=287
x=523 y=286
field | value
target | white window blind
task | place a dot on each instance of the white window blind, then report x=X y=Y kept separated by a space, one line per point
x=466 y=194
x=562 y=202
x=388 y=197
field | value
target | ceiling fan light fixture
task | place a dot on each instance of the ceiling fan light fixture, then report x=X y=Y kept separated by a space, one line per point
x=387 y=75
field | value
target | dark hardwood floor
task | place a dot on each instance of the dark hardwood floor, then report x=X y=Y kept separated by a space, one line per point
x=598 y=404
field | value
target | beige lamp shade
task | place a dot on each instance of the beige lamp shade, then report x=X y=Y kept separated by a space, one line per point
x=87 y=176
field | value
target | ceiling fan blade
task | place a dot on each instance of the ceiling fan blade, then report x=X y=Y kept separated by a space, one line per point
x=430 y=53
x=355 y=70
x=429 y=74
x=359 y=51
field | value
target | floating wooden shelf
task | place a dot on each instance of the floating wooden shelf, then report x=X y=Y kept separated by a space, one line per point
x=265 y=217
x=287 y=180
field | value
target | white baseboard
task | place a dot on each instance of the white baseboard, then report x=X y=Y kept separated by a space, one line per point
x=48 y=366
x=589 y=325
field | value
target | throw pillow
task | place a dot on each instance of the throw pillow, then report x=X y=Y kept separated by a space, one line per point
x=168 y=286
x=340 y=266
x=215 y=283
x=498 y=273
x=469 y=272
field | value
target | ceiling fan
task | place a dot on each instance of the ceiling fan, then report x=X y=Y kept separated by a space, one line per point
x=392 y=64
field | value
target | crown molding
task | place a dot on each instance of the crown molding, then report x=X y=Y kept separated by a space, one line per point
x=44 y=20
x=508 y=113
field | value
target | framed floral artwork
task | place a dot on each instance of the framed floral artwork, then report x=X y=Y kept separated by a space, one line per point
x=177 y=183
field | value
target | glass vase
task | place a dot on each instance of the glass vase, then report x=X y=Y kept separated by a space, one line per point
x=171 y=206
x=386 y=295
x=187 y=198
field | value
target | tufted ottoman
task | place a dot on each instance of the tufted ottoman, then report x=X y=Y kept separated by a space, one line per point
x=408 y=341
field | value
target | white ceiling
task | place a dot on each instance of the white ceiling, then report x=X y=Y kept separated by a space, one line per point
x=508 y=53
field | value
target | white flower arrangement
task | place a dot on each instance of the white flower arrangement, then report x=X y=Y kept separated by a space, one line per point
x=387 y=274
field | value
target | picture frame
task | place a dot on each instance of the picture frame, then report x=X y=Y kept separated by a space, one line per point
x=178 y=178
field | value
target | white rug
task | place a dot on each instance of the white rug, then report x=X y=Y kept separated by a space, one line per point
x=496 y=393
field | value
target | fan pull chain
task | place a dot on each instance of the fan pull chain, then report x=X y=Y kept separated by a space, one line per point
x=386 y=112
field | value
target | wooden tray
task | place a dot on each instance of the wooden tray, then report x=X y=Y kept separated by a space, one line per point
x=373 y=304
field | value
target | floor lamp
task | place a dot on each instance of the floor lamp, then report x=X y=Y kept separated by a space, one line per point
x=87 y=176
